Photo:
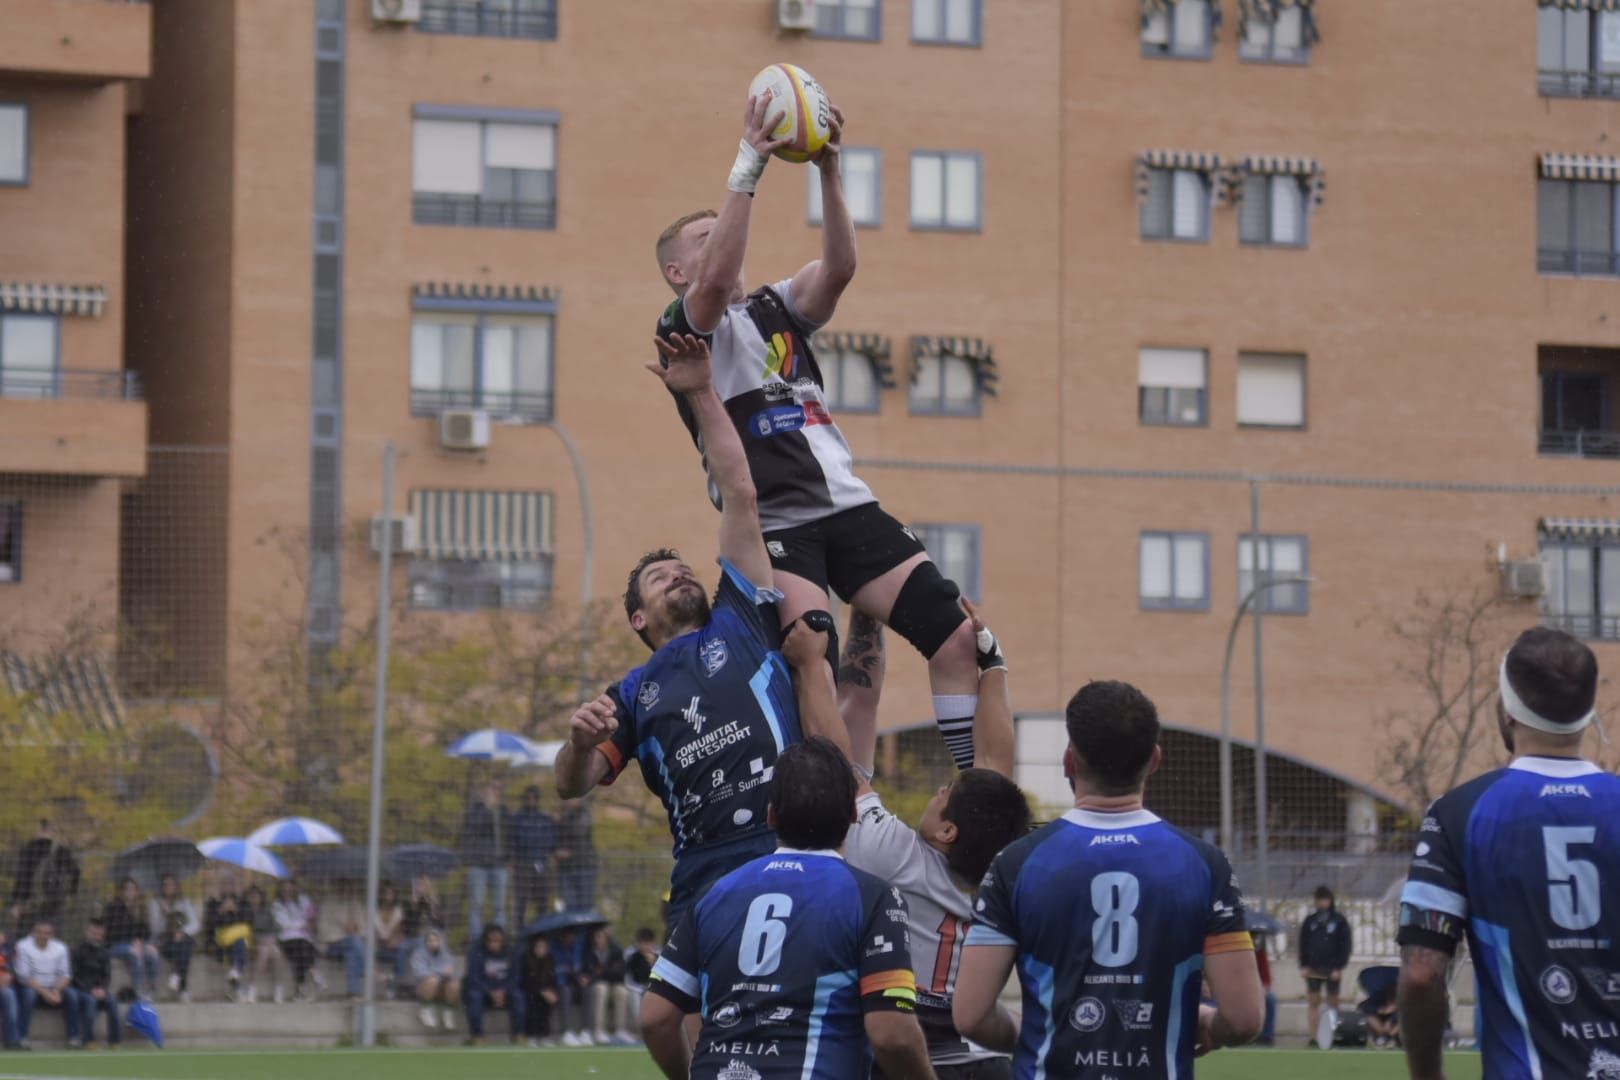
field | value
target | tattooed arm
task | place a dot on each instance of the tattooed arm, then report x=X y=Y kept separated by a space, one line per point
x=860 y=684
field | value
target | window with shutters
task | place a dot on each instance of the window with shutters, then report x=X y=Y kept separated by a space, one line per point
x=1173 y=571
x=1277 y=41
x=1271 y=390
x=1179 y=29
x=856 y=20
x=1577 y=51
x=955 y=551
x=945 y=190
x=497 y=172
x=862 y=170
x=497 y=362
x=1279 y=557
x=30 y=355
x=13 y=144
x=947 y=22
x=532 y=19
x=945 y=385
x=1575 y=227
x=1273 y=210
x=1176 y=206
x=480 y=584
x=1583 y=586
x=850 y=380
x=1172 y=387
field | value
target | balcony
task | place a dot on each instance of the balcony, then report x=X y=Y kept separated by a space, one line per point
x=519 y=405
x=1579 y=443
x=429 y=208
x=83 y=40
x=1578 y=84
x=478 y=18
x=1589 y=627
x=67 y=422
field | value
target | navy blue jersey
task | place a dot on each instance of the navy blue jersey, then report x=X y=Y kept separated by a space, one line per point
x=1526 y=861
x=1111 y=916
x=783 y=958
x=707 y=715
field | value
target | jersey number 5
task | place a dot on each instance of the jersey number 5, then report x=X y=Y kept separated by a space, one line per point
x=1574 y=895
x=1114 y=936
x=763 y=933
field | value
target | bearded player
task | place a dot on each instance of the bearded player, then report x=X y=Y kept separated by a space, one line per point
x=823 y=526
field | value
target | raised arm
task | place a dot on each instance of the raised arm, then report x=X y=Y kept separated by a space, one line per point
x=993 y=739
x=817 y=287
x=580 y=765
x=685 y=370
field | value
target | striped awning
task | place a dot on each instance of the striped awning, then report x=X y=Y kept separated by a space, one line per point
x=51 y=299
x=875 y=347
x=429 y=294
x=1267 y=11
x=1579 y=529
x=491 y=525
x=1274 y=165
x=1579 y=167
x=77 y=687
x=1581 y=5
x=975 y=350
x=1196 y=160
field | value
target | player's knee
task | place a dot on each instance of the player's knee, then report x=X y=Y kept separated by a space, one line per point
x=958 y=651
x=928 y=612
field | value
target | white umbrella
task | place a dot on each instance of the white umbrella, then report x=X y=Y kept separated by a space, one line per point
x=239 y=852
x=493 y=744
x=294 y=832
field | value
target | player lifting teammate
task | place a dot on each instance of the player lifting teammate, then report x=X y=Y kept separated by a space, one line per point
x=823 y=525
x=1526 y=862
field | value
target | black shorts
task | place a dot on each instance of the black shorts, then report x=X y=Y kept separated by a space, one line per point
x=1314 y=984
x=847 y=551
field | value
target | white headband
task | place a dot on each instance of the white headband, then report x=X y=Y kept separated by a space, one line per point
x=1518 y=711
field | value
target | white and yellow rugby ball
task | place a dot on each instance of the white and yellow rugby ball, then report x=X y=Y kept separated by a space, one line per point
x=806 y=112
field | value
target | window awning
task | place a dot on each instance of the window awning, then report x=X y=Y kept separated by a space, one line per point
x=1272 y=165
x=488 y=525
x=51 y=299
x=980 y=353
x=1580 y=166
x=1581 y=5
x=1267 y=11
x=1196 y=160
x=483 y=296
x=1151 y=8
x=875 y=346
x=62 y=686
x=1580 y=529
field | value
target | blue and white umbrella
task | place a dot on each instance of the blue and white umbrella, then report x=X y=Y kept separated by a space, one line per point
x=239 y=852
x=493 y=744
x=294 y=832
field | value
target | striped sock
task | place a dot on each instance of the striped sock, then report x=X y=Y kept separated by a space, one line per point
x=954 y=715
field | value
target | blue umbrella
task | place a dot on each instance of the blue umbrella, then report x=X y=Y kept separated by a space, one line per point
x=238 y=852
x=144 y=1019
x=493 y=744
x=558 y=921
x=294 y=832
x=420 y=860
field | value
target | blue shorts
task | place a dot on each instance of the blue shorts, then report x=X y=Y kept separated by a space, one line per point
x=701 y=867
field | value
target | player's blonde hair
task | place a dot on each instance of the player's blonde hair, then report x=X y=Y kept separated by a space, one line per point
x=667 y=238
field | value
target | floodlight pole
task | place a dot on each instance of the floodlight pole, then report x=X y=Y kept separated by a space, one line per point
x=379 y=716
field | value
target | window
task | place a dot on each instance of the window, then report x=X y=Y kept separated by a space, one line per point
x=1271 y=390
x=955 y=550
x=1281 y=41
x=491 y=18
x=1280 y=557
x=1578 y=51
x=1177 y=205
x=484 y=172
x=480 y=584
x=1575 y=227
x=858 y=19
x=1174 y=573
x=1575 y=415
x=945 y=385
x=1273 y=209
x=11 y=538
x=1184 y=30
x=851 y=380
x=862 y=170
x=945 y=191
x=1171 y=386
x=1583 y=586
x=13 y=144
x=947 y=22
x=498 y=362
x=29 y=355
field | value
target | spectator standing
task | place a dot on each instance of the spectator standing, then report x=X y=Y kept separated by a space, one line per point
x=267 y=958
x=226 y=931
x=572 y=983
x=1262 y=961
x=339 y=921
x=494 y=981
x=604 y=968
x=47 y=874
x=1324 y=951
x=175 y=926
x=8 y=997
x=433 y=978
x=45 y=979
x=534 y=836
x=638 y=965
x=91 y=993
x=129 y=937
x=484 y=841
x=421 y=913
x=576 y=856
x=295 y=933
x=540 y=988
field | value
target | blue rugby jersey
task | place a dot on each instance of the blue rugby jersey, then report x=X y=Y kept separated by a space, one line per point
x=1526 y=862
x=783 y=958
x=1111 y=915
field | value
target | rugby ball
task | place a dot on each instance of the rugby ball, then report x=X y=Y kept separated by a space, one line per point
x=806 y=112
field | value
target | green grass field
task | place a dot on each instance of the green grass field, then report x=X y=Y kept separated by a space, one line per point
x=504 y=1064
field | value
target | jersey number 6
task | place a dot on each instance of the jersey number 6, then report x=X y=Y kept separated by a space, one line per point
x=763 y=934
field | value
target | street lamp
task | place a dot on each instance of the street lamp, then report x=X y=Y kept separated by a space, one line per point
x=1226 y=724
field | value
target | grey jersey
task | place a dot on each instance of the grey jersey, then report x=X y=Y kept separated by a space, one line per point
x=941 y=910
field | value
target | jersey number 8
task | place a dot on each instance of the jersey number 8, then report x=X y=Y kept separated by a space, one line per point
x=763 y=933
x=1114 y=936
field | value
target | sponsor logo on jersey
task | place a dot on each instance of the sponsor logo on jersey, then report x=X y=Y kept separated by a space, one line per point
x=785 y=864
x=1223 y=909
x=691 y=799
x=714 y=655
x=1088 y=1015
x=1606 y=984
x=782 y=1014
x=648 y=697
x=1603 y=1065
x=1590 y=1030
x=727 y=1015
x=711 y=743
x=1114 y=980
x=1134 y=1015
x=1423 y=849
x=1114 y=838
x=1430 y=824
x=742 y=817
x=1565 y=789
x=1578 y=943
x=717 y=778
x=746 y=1049
x=738 y=1070
x=880 y=945
x=1558 y=985
x=777 y=549
x=691 y=715
x=1114 y=1059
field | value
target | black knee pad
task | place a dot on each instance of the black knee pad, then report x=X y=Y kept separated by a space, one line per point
x=928 y=610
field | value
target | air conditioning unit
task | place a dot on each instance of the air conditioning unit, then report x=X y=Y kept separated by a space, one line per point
x=464 y=429
x=398 y=533
x=795 y=14
x=1524 y=577
x=396 y=11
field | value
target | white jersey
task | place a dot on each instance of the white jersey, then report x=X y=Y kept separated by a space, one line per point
x=767 y=376
x=882 y=844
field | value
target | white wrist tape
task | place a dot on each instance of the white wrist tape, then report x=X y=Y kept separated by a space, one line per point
x=747 y=169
